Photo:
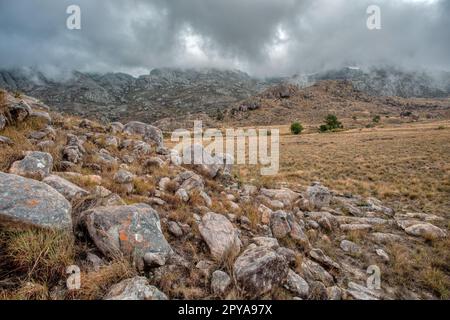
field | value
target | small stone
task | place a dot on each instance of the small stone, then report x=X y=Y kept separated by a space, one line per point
x=175 y=229
x=220 y=282
x=297 y=285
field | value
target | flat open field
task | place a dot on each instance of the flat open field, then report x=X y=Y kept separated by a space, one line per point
x=408 y=165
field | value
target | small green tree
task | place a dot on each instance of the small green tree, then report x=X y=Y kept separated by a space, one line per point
x=376 y=119
x=331 y=123
x=296 y=128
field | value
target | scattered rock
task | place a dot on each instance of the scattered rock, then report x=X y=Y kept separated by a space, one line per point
x=350 y=247
x=426 y=231
x=318 y=196
x=381 y=253
x=258 y=270
x=69 y=190
x=314 y=272
x=148 y=132
x=175 y=229
x=220 y=281
x=297 y=285
x=35 y=165
x=220 y=235
x=136 y=288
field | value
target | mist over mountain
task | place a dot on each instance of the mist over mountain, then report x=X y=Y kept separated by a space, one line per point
x=174 y=92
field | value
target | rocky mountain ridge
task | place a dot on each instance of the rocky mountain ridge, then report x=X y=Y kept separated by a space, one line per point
x=169 y=93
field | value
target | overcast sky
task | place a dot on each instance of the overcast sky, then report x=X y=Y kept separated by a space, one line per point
x=261 y=37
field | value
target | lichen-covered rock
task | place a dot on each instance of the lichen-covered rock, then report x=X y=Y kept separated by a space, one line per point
x=35 y=165
x=29 y=202
x=137 y=288
x=69 y=190
x=220 y=235
x=259 y=269
x=131 y=231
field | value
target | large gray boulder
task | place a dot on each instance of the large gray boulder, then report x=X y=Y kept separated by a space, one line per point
x=137 y=288
x=220 y=235
x=36 y=165
x=147 y=131
x=29 y=202
x=259 y=269
x=131 y=231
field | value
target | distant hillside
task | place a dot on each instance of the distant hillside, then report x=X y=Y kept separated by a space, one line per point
x=284 y=104
x=168 y=96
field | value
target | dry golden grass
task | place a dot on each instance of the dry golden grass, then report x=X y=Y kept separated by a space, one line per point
x=95 y=284
x=406 y=165
x=40 y=255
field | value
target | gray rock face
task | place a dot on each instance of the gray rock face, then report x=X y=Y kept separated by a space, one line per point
x=259 y=269
x=147 y=131
x=28 y=202
x=314 y=272
x=69 y=190
x=297 y=285
x=318 y=195
x=219 y=282
x=279 y=224
x=35 y=165
x=220 y=235
x=136 y=288
x=131 y=231
x=123 y=176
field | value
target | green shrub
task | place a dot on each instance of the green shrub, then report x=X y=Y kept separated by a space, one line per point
x=376 y=119
x=296 y=128
x=331 y=124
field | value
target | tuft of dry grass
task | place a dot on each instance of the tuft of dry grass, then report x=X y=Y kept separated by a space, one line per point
x=37 y=254
x=95 y=284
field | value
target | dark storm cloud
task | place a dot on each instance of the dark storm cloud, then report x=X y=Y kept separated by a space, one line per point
x=263 y=37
